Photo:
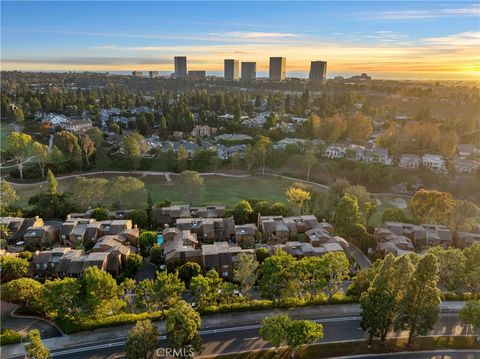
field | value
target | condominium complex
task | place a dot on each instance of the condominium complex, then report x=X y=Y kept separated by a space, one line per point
x=277 y=68
x=197 y=75
x=231 y=69
x=318 y=71
x=153 y=74
x=249 y=71
x=180 y=66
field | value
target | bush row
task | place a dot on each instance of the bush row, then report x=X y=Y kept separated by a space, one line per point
x=9 y=336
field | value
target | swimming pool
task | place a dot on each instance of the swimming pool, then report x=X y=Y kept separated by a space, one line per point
x=159 y=239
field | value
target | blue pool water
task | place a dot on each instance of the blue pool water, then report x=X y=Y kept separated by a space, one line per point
x=159 y=239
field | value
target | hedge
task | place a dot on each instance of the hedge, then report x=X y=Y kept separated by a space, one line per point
x=9 y=336
x=459 y=296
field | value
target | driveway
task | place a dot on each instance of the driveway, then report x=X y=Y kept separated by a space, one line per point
x=24 y=325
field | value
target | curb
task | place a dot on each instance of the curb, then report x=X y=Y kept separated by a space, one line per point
x=53 y=324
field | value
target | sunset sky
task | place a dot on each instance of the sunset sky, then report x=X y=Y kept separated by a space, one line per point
x=387 y=39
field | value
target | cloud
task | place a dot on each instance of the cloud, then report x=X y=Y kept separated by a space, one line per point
x=253 y=35
x=467 y=11
x=469 y=39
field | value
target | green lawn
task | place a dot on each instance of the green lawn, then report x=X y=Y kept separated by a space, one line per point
x=223 y=190
x=5 y=130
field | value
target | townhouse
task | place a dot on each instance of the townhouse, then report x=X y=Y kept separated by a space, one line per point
x=169 y=215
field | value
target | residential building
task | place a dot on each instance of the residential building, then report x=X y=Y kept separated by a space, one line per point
x=462 y=165
x=466 y=149
x=16 y=227
x=153 y=74
x=41 y=236
x=409 y=161
x=377 y=155
x=278 y=229
x=302 y=249
x=231 y=69
x=44 y=263
x=435 y=163
x=180 y=247
x=137 y=73
x=76 y=126
x=180 y=67
x=335 y=151
x=222 y=257
x=245 y=234
x=249 y=71
x=197 y=75
x=203 y=131
x=169 y=215
x=54 y=120
x=209 y=230
x=277 y=68
x=318 y=71
x=466 y=239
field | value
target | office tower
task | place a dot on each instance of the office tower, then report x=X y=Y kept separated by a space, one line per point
x=137 y=73
x=231 y=69
x=249 y=71
x=180 y=67
x=153 y=74
x=196 y=75
x=318 y=71
x=277 y=68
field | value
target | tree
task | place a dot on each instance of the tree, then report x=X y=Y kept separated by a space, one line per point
x=52 y=183
x=472 y=256
x=61 y=297
x=100 y=292
x=183 y=325
x=146 y=296
x=181 y=157
x=139 y=218
x=302 y=332
x=463 y=215
x=142 y=341
x=190 y=186
x=127 y=290
x=245 y=272
x=360 y=193
x=262 y=147
x=129 y=191
x=169 y=288
x=25 y=292
x=205 y=289
x=89 y=191
x=336 y=270
x=470 y=314
x=99 y=214
x=297 y=197
x=274 y=329
x=19 y=146
x=96 y=135
x=187 y=271
x=132 y=149
x=394 y=214
x=418 y=309
x=432 y=206
x=101 y=159
x=8 y=195
x=451 y=264
x=133 y=263
x=347 y=214
x=88 y=147
x=242 y=212
x=329 y=129
x=13 y=267
x=359 y=128
x=277 y=278
x=370 y=208
x=41 y=151
x=146 y=240
x=35 y=348
x=308 y=161
x=261 y=254
x=156 y=254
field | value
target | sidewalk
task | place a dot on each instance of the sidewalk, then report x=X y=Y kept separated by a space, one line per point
x=208 y=321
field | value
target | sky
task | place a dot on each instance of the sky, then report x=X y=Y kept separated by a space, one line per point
x=386 y=39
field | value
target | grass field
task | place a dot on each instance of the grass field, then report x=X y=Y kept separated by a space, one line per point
x=218 y=190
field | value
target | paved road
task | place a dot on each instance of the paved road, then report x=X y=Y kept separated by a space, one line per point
x=435 y=354
x=24 y=325
x=223 y=340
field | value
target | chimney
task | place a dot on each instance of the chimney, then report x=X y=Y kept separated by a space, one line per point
x=68 y=216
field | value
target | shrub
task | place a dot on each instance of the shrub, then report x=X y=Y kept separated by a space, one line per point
x=9 y=336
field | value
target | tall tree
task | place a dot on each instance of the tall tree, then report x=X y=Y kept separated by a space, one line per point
x=419 y=307
x=52 y=183
x=41 y=151
x=297 y=197
x=302 y=332
x=470 y=314
x=169 y=288
x=273 y=329
x=61 y=297
x=262 y=147
x=308 y=161
x=182 y=157
x=88 y=147
x=191 y=186
x=13 y=267
x=463 y=216
x=19 y=146
x=245 y=272
x=430 y=206
x=205 y=289
x=347 y=214
x=183 y=325
x=142 y=341
x=8 y=195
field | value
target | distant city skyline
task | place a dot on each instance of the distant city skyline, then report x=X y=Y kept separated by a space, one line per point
x=386 y=39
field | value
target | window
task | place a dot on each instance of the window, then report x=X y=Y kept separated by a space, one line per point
x=225 y=274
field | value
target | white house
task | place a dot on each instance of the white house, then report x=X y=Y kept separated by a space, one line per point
x=435 y=163
x=76 y=126
x=54 y=120
x=462 y=165
x=335 y=151
x=409 y=161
